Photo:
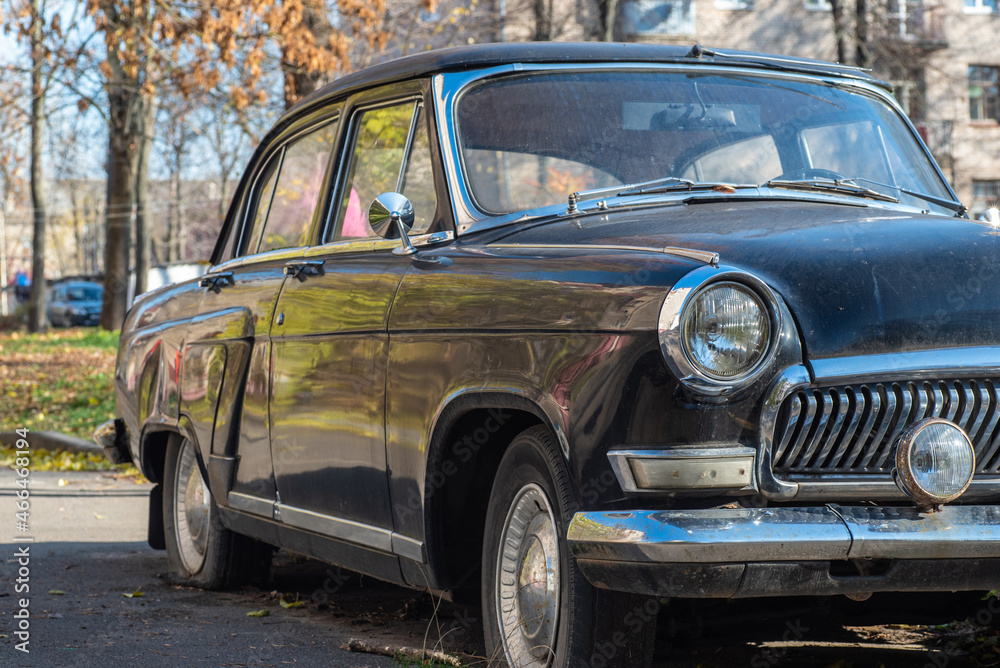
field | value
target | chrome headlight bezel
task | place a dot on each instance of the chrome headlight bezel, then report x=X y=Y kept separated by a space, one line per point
x=674 y=316
x=907 y=479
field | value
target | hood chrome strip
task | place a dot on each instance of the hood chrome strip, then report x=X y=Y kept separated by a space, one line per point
x=705 y=257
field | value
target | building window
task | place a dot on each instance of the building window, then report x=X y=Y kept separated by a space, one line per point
x=658 y=17
x=984 y=104
x=910 y=91
x=984 y=195
x=819 y=5
x=734 y=4
x=980 y=6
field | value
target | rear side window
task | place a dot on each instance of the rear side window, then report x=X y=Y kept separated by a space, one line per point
x=289 y=192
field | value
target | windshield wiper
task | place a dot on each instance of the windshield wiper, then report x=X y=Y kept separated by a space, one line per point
x=951 y=205
x=851 y=187
x=840 y=186
x=666 y=185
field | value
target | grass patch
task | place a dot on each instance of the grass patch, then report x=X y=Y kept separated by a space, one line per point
x=58 y=381
x=45 y=460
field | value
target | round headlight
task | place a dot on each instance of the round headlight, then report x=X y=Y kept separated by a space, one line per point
x=935 y=461
x=726 y=331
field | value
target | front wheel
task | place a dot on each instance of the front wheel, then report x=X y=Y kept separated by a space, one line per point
x=200 y=550
x=538 y=609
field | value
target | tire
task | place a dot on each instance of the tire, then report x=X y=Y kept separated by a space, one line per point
x=555 y=617
x=200 y=551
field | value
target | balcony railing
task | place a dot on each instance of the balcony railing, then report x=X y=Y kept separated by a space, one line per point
x=919 y=24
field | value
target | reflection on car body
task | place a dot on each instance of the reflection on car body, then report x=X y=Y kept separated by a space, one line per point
x=584 y=325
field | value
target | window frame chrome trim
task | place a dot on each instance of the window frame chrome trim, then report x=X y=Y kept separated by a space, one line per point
x=353 y=107
x=329 y=116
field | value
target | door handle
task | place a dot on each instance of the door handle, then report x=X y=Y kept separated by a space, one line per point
x=301 y=269
x=217 y=281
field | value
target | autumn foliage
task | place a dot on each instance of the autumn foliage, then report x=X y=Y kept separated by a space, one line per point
x=195 y=45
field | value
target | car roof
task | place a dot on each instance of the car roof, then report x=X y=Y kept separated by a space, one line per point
x=77 y=284
x=459 y=58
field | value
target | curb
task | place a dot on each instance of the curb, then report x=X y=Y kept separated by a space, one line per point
x=53 y=440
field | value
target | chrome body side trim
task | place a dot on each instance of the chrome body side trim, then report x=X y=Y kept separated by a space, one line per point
x=250 y=504
x=705 y=257
x=346 y=530
x=925 y=364
x=828 y=533
x=409 y=548
x=352 y=532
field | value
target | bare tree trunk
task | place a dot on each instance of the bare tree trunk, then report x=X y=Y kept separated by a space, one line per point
x=143 y=226
x=610 y=17
x=543 y=22
x=36 y=309
x=223 y=202
x=839 y=29
x=863 y=55
x=177 y=230
x=123 y=107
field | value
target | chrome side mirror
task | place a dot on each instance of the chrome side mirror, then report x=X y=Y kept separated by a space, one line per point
x=391 y=216
x=991 y=217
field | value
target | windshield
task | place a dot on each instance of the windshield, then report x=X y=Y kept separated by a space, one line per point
x=84 y=293
x=529 y=141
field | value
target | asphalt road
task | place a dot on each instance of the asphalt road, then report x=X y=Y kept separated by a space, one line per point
x=88 y=550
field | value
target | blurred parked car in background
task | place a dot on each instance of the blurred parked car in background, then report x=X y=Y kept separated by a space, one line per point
x=75 y=303
x=573 y=328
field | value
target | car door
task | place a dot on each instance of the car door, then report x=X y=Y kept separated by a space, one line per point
x=227 y=355
x=330 y=340
x=55 y=306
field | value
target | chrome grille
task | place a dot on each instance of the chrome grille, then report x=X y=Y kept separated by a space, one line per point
x=851 y=429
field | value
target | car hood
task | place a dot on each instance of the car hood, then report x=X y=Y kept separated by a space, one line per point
x=857 y=280
x=84 y=305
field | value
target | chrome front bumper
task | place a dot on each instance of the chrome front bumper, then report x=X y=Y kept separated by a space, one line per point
x=715 y=551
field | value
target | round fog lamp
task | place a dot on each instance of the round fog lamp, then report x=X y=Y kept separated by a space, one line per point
x=935 y=462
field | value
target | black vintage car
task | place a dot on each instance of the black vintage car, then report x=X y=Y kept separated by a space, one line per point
x=585 y=326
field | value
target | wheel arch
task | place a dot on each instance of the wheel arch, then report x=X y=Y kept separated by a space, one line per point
x=469 y=439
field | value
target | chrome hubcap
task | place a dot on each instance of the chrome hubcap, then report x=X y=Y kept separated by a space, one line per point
x=528 y=581
x=191 y=510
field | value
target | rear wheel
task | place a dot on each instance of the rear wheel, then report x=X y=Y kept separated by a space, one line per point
x=538 y=609
x=200 y=551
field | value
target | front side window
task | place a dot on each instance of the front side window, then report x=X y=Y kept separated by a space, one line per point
x=391 y=154
x=288 y=192
x=527 y=141
x=984 y=102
